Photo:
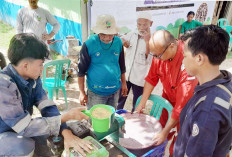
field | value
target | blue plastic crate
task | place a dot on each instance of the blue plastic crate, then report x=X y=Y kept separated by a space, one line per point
x=157 y=151
x=121 y=111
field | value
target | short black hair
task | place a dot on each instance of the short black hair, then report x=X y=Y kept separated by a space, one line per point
x=191 y=13
x=2 y=61
x=211 y=40
x=26 y=46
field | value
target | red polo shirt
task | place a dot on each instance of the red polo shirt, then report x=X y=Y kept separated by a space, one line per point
x=178 y=87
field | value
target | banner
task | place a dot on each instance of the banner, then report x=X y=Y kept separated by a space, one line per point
x=168 y=15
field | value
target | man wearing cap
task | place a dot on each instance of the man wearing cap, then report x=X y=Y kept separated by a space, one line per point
x=137 y=59
x=102 y=61
x=178 y=86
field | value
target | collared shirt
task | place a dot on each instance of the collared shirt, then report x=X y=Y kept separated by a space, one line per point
x=178 y=87
x=17 y=98
x=137 y=64
x=206 y=120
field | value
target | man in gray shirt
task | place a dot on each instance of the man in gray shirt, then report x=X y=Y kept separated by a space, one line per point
x=34 y=19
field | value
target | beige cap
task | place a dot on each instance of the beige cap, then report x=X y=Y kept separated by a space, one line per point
x=144 y=15
x=105 y=24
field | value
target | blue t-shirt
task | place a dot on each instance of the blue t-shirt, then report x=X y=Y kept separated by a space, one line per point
x=102 y=64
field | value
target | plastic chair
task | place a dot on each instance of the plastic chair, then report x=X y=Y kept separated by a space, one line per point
x=228 y=29
x=159 y=103
x=56 y=82
x=221 y=22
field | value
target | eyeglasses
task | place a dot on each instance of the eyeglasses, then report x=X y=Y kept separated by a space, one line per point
x=159 y=57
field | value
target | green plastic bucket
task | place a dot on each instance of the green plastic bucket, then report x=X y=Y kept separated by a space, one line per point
x=101 y=125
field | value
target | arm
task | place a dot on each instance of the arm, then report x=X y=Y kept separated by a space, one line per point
x=187 y=88
x=148 y=88
x=19 y=23
x=123 y=71
x=84 y=62
x=125 y=42
x=13 y=114
x=70 y=140
x=124 y=86
x=146 y=39
x=83 y=96
x=199 y=23
x=126 y=39
x=162 y=136
x=56 y=26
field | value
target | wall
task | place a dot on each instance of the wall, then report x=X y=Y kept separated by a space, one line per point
x=167 y=15
x=68 y=13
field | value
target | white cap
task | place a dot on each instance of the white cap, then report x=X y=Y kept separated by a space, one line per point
x=105 y=24
x=144 y=15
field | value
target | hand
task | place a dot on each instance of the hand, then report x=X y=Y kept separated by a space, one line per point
x=160 y=137
x=126 y=43
x=147 y=36
x=124 y=90
x=46 y=36
x=76 y=114
x=78 y=145
x=140 y=108
x=83 y=99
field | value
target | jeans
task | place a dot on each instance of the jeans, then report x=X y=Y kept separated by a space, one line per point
x=137 y=91
x=94 y=99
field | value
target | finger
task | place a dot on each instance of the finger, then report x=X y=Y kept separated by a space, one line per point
x=67 y=152
x=154 y=138
x=138 y=109
x=89 y=145
x=78 y=149
x=82 y=108
x=86 y=148
x=83 y=116
x=83 y=104
x=123 y=92
x=86 y=100
x=157 y=143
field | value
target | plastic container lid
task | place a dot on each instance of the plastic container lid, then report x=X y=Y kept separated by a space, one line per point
x=139 y=131
x=98 y=149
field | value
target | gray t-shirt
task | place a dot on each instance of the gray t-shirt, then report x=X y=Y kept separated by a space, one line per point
x=35 y=21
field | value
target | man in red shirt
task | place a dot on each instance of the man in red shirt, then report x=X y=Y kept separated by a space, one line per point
x=178 y=87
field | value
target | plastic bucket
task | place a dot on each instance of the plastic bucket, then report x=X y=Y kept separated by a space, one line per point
x=101 y=125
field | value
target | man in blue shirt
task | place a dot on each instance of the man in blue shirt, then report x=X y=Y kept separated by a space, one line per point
x=20 y=90
x=206 y=120
x=102 y=60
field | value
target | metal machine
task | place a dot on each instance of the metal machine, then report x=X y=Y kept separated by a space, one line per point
x=108 y=139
